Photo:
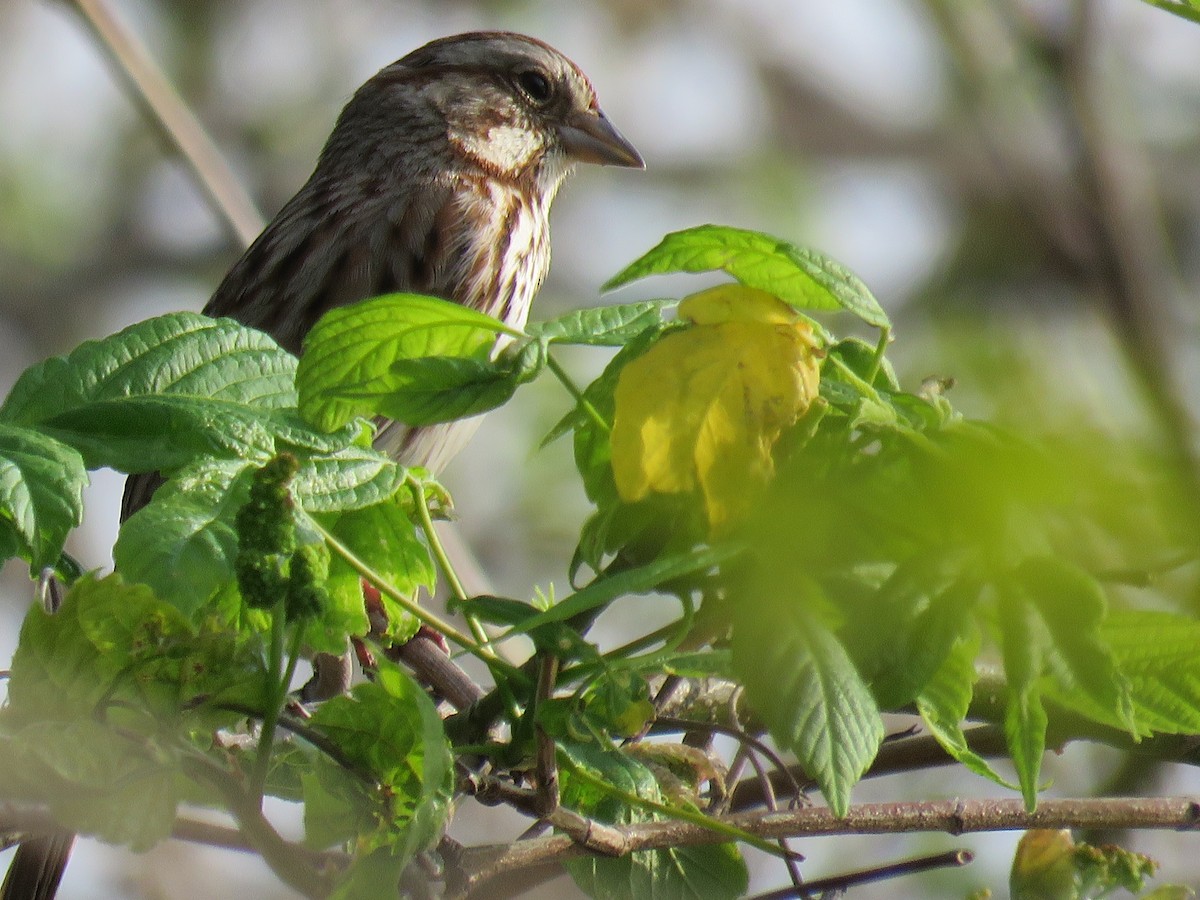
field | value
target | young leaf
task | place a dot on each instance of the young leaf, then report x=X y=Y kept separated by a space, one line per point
x=350 y=352
x=183 y=543
x=803 y=684
x=41 y=492
x=800 y=276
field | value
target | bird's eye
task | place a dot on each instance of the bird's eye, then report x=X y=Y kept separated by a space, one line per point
x=535 y=86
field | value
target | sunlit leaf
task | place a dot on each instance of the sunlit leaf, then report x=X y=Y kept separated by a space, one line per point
x=800 y=276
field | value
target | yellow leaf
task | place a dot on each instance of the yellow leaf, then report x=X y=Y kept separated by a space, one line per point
x=703 y=408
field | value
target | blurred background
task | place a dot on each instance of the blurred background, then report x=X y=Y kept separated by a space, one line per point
x=1018 y=182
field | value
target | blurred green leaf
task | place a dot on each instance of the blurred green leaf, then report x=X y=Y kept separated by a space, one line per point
x=1156 y=652
x=943 y=705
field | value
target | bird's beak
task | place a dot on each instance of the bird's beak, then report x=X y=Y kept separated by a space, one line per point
x=590 y=137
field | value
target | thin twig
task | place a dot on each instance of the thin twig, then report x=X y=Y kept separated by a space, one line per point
x=164 y=109
x=952 y=859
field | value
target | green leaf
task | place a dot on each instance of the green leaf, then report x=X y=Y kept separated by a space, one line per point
x=631 y=581
x=1071 y=605
x=800 y=276
x=184 y=543
x=804 y=685
x=95 y=780
x=1024 y=648
x=441 y=389
x=943 y=704
x=1156 y=651
x=399 y=797
x=604 y=326
x=351 y=478
x=703 y=873
x=385 y=539
x=160 y=393
x=180 y=354
x=41 y=492
x=350 y=352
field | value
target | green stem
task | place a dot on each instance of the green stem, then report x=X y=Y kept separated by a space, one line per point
x=851 y=376
x=885 y=335
x=408 y=605
x=573 y=389
x=277 y=685
x=443 y=561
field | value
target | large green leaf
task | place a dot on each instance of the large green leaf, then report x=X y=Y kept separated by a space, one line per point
x=41 y=492
x=350 y=353
x=163 y=393
x=180 y=354
x=800 y=276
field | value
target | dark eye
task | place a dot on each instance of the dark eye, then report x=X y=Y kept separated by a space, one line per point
x=535 y=86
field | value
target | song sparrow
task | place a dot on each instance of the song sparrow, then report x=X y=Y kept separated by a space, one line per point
x=437 y=179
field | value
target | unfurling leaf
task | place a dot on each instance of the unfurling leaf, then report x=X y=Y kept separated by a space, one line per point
x=703 y=408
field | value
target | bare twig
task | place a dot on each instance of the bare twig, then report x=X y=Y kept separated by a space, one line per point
x=164 y=109
x=948 y=860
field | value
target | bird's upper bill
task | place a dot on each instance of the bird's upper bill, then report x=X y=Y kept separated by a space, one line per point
x=591 y=138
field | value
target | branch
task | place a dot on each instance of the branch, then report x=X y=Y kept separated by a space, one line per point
x=951 y=816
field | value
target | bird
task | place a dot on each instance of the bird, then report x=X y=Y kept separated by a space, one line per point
x=437 y=179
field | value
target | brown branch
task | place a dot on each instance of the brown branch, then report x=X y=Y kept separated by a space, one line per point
x=182 y=131
x=952 y=816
